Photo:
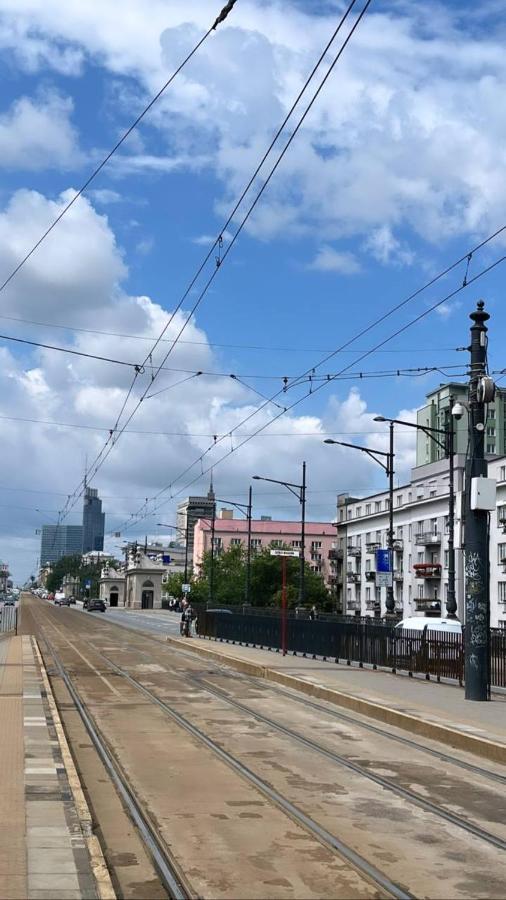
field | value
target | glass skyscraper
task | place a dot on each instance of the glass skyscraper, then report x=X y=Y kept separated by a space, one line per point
x=93 y=522
x=60 y=540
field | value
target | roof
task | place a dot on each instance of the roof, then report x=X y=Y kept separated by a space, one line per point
x=240 y=526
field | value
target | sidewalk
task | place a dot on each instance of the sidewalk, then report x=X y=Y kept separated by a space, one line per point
x=437 y=711
x=44 y=849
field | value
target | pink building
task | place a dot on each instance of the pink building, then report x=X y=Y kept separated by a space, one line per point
x=320 y=538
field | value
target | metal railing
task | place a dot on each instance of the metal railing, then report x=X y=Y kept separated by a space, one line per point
x=362 y=640
x=8 y=619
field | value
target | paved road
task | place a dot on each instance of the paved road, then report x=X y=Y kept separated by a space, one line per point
x=157 y=621
x=259 y=793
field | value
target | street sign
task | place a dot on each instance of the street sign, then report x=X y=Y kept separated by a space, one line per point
x=186 y=588
x=285 y=553
x=383 y=563
x=384 y=579
x=166 y=559
x=87 y=583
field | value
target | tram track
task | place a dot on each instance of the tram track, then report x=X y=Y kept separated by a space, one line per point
x=200 y=681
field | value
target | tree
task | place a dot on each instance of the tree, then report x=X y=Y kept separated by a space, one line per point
x=229 y=578
x=174 y=585
x=82 y=571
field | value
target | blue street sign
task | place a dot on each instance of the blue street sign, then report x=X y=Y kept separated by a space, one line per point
x=87 y=583
x=383 y=561
x=165 y=559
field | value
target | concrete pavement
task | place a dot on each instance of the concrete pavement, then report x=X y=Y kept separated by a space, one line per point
x=44 y=850
x=438 y=711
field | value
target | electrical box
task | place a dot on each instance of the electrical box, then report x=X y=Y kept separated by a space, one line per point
x=483 y=493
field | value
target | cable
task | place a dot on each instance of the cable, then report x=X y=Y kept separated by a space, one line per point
x=104 y=453
x=114 y=149
x=151 y=338
x=422 y=315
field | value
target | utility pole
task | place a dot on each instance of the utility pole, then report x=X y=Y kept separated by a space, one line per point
x=390 y=600
x=302 y=584
x=451 y=600
x=211 y=574
x=187 y=530
x=248 y=549
x=476 y=522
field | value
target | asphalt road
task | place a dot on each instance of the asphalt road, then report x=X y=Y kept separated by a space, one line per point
x=156 y=621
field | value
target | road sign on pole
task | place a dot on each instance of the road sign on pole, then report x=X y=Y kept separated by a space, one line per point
x=384 y=574
x=186 y=588
x=285 y=553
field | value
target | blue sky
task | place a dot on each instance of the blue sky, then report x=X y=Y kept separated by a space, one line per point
x=397 y=172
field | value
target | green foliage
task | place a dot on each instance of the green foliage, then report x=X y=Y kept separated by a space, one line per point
x=80 y=570
x=266 y=580
x=174 y=585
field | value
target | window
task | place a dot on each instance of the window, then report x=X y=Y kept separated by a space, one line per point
x=316 y=545
x=276 y=543
x=420 y=492
x=420 y=556
x=256 y=543
x=491 y=413
x=410 y=558
x=501 y=553
x=368 y=537
x=490 y=448
x=218 y=543
x=358 y=512
x=368 y=595
x=368 y=565
x=501 y=515
x=399 y=499
x=502 y=591
x=316 y=557
x=410 y=496
x=420 y=591
x=387 y=503
x=433 y=526
x=432 y=492
x=358 y=540
x=410 y=531
x=491 y=431
x=341 y=515
x=378 y=537
x=350 y=512
x=377 y=506
x=446 y=558
x=502 y=473
x=235 y=542
x=368 y=509
x=296 y=544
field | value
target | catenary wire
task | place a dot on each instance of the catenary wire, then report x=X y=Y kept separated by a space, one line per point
x=110 y=443
x=111 y=153
x=140 y=514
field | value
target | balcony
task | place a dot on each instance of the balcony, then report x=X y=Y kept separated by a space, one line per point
x=398 y=575
x=372 y=546
x=370 y=576
x=427 y=604
x=335 y=579
x=427 y=570
x=425 y=538
x=399 y=546
x=353 y=606
x=354 y=576
x=336 y=554
x=374 y=605
x=354 y=551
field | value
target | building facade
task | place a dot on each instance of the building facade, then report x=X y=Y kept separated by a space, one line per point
x=93 y=522
x=189 y=511
x=4 y=577
x=420 y=566
x=60 y=540
x=320 y=538
x=436 y=412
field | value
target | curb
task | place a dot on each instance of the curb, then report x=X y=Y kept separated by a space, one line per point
x=459 y=740
x=98 y=863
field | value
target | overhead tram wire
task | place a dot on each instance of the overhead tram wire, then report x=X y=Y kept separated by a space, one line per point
x=116 y=147
x=106 y=449
x=467 y=282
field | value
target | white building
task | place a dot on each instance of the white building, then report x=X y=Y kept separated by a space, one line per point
x=421 y=545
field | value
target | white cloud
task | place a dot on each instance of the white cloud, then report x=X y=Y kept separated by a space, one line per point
x=105 y=196
x=47 y=385
x=407 y=133
x=329 y=260
x=38 y=134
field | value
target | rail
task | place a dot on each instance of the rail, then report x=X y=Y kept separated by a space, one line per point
x=374 y=643
x=8 y=619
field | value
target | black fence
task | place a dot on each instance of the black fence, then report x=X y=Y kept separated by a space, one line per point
x=8 y=619
x=434 y=654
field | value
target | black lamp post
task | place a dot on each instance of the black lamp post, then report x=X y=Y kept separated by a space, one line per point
x=299 y=491
x=246 y=509
x=444 y=438
x=388 y=467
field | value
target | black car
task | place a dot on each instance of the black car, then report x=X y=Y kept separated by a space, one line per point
x=95 y=606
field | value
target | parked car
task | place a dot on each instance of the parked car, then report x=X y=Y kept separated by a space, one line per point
x=95 y=605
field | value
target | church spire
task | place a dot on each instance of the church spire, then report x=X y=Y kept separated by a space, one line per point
x=210 y=493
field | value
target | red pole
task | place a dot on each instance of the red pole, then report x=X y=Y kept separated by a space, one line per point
x=283 y=605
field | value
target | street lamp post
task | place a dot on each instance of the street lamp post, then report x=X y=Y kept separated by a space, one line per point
x=388 y=468
x=299 y=491
x=444 y=438
x=246 y=509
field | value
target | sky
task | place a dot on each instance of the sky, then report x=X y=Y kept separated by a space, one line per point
x=396 y=173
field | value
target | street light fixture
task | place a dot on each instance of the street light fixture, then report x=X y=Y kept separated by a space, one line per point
x=388 y=467
x=299 y=491
x=446 y=442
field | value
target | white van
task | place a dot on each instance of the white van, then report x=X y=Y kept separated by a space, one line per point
x=428 y=623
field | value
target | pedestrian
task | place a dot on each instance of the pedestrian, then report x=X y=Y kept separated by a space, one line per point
x=313 y=613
